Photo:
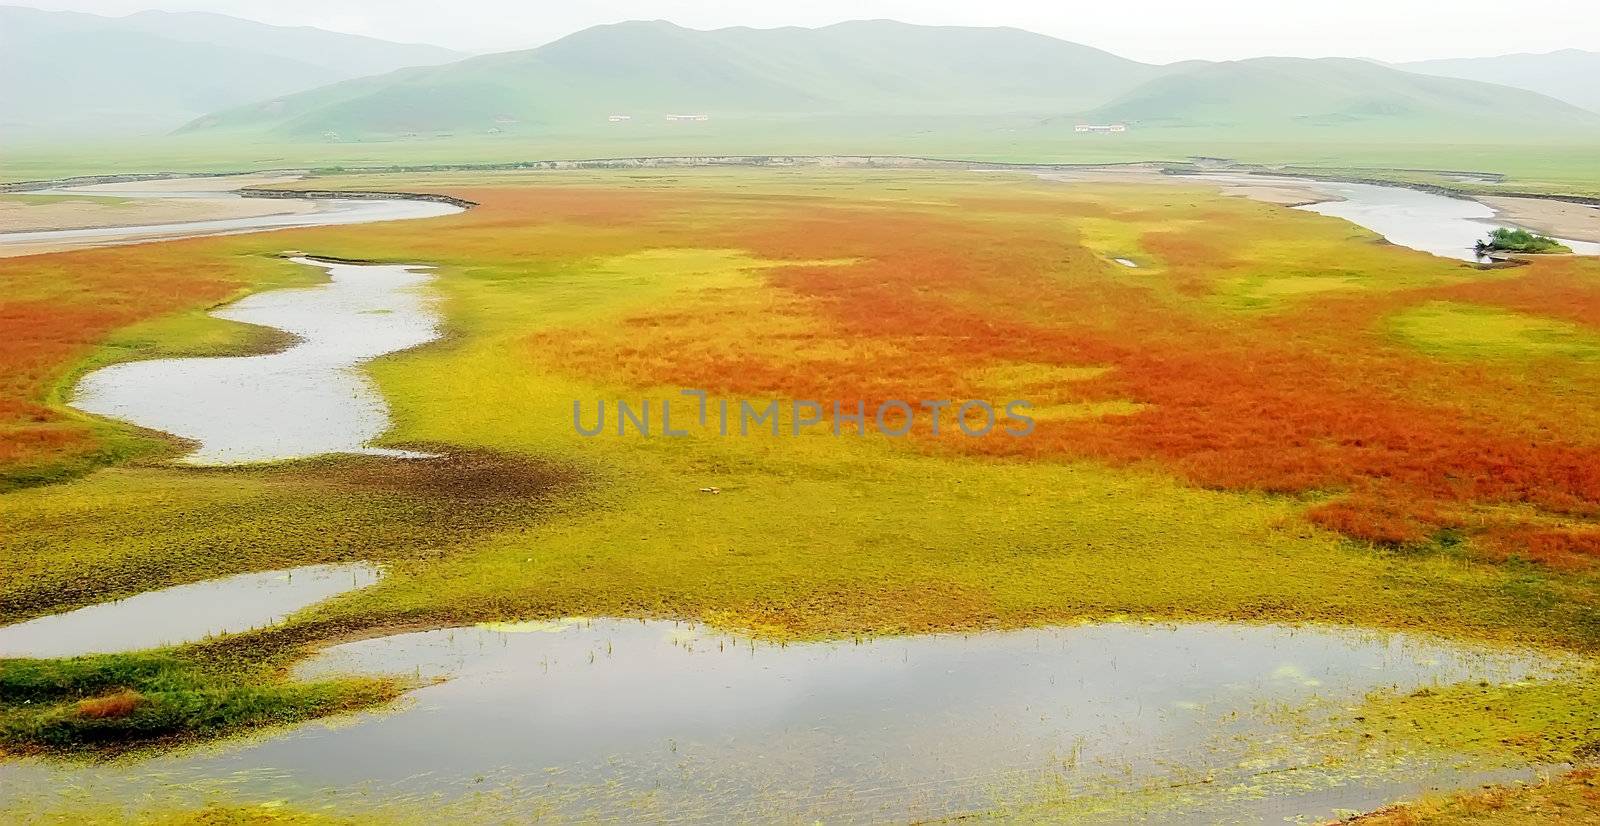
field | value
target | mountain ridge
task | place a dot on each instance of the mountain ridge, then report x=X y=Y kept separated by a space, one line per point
x=1571 y=75
x=151 y=72
x=200 y=73
x=860 y=72
x=1332 y=92
x=654 y=68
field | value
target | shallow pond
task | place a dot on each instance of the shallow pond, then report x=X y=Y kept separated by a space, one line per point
x=1425 y=221
x=306 y=400
x=185 y=613
x=627 y=719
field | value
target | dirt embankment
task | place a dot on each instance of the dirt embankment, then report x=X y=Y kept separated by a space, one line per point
x=354 y=195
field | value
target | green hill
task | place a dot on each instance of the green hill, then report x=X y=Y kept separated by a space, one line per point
x=341 y=55
x=1280 y=94
x=84 y=75
x=869 y=77
x=651 y=69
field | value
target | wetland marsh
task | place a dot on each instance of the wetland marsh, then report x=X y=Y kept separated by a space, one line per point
x=620 y=719
x=1245 y=438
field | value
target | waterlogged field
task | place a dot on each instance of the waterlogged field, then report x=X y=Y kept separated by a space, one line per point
x=1273 y=417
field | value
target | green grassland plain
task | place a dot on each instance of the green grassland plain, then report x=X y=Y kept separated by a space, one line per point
x=1557 y=166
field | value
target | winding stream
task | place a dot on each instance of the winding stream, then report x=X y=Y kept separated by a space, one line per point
x=306 y=400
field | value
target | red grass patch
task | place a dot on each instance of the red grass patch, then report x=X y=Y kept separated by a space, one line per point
x=54 y=309
x=1314 y=398
x=111 y=706
x=1567 y=548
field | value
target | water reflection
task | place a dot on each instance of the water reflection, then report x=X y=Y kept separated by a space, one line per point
x=185 y=613
x=625 y=719
x=1425 y=221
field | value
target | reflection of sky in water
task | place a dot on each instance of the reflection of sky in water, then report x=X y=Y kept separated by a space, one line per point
x=888 y=728
x=306 y=400
x=185 y=613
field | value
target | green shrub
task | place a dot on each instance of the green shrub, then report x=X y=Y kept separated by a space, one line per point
x=1520 y=240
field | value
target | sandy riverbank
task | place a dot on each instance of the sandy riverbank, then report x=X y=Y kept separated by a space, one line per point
x=158 y=204
x=133 y=212
x=36 y=213
x=1579 y=222
x=1277 y=191
x=206 y=183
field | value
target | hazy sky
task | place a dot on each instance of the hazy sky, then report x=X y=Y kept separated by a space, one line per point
x=1157 y=31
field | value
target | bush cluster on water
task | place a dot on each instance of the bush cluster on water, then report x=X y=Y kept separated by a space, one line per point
x=1520 y=240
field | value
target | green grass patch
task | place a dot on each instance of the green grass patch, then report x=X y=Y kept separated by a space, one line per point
x=1469 y=331
x=116 y=702
x=1553 y=719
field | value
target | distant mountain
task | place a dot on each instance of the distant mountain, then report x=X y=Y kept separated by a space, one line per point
x=861 y=75
x=71 y=74
x=1275 y=94
x=1571 y=75
x=648 y=70
x=346 y=54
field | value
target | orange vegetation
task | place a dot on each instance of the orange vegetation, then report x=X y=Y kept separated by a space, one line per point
x=1307 y=398
x=112 y=706
x=924 y=293
x=54 y=310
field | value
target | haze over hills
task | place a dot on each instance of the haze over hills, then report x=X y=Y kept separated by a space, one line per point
x=226 y=78
x=348 y=54
x=868 y=70
x=67 y=73
x=1330 y=93
x=1572 y=75
x=650 y=69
